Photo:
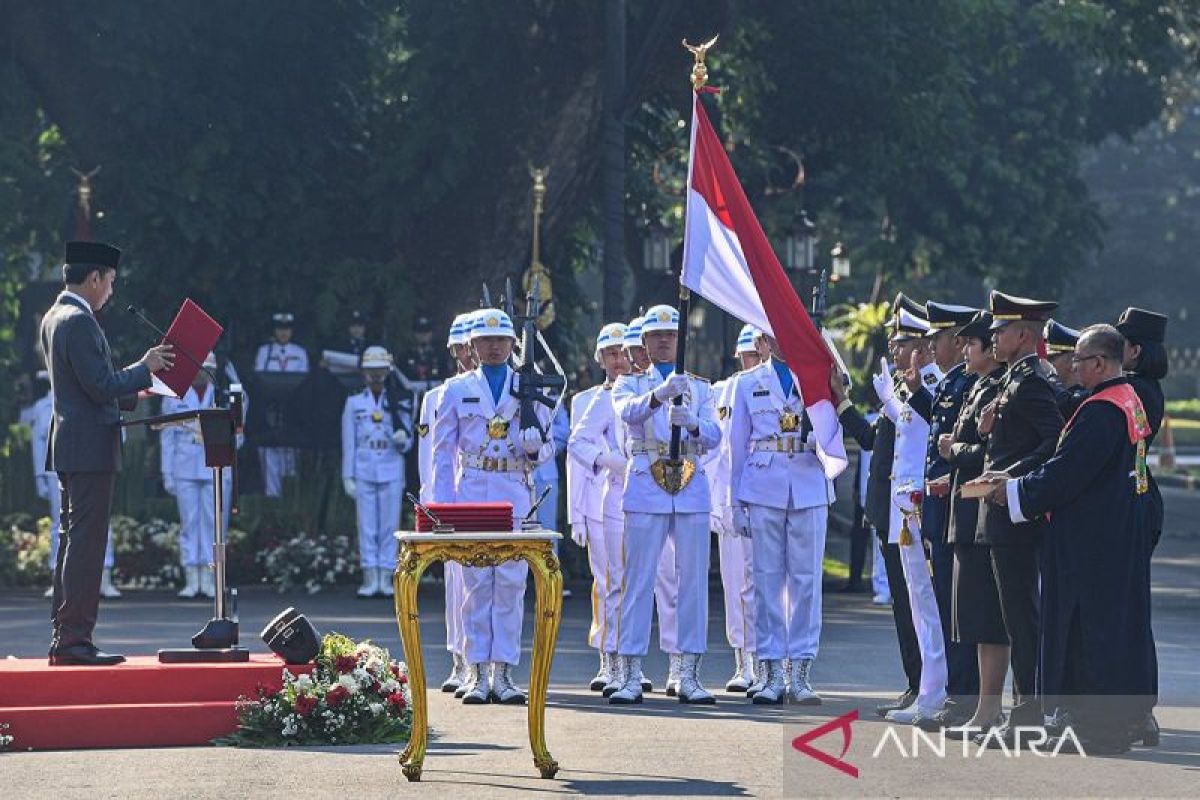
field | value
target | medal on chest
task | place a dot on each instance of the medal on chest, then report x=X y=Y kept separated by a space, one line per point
x=497 y=427
x=789 y=421
x=377 y=416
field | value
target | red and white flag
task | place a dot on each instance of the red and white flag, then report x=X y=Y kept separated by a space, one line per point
x=728 y=261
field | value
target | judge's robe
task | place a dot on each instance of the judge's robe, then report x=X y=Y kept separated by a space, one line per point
x=1096 y=654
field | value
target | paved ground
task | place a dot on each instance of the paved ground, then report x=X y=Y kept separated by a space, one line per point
x=660 y=749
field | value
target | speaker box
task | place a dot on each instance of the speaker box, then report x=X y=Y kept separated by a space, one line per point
x=293 y=637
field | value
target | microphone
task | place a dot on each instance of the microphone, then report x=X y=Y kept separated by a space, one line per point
x=135 y=311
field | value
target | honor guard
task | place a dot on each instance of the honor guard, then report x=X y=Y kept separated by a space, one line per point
x=375 y=438
x=737 y=576
x=464 y=361
x=904 y=528
x=1060 y=346
x=356 y=334
x=663 y=503
x=187 y=477
x=780 y=499
x=595 y=473
x=481 y=455
x=280 y=354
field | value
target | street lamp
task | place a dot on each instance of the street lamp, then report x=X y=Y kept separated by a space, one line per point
x=840 y=261
x=656 y=248
x=799 y=246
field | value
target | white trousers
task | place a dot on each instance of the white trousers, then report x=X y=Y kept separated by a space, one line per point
x=277 y=463
x=455 y=641
x=604 y=557
x=197 y=529
x=56 y=520
x=666 y=598
x=879 y=581
x=378 y=518
x=645 y=536
x=737 y=582
x=789 y=547
x=932 y=692
x=493 y=609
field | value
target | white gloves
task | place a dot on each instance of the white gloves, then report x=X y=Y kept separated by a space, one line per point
x=579 y=535
x=741 y=521
x=683 y=416
x=350 y=486
x=671 y=387
x=884 y=387
x=531 y=441
x=169 y=485
x=613 y=462
x=400 y=437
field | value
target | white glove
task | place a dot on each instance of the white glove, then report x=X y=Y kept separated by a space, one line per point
x=169 y=485
x=579 y=535
x=531 y=441
x=350 y=486
x=683 y=416
x=671 y=387
x=613 y=462
x=400 y=437
x=885 y=388
x=741 y=521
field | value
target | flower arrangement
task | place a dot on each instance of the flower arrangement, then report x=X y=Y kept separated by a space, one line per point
x=356 y=695
x=307 y=562
x=6 y=740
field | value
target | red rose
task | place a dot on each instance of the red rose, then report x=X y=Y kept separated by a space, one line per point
x=396 y=701
x=305 y=704
x=376 y=686
x=344 y=664
x=402 y=678
x=395 y=668
x=336 y=695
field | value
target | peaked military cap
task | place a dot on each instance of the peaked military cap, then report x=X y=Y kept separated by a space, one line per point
x=1142 y=325
x=1008 y=308
x=980 y=327
x=944 y=316
x=1059 y=338
x=907 y=326
x=283 y=319
x=904 y=301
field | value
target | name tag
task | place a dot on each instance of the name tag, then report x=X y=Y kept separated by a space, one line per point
x=762 y=393
x=470 y=400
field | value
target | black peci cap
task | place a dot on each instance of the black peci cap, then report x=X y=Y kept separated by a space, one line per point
x=1142 y=325
x=96 y=254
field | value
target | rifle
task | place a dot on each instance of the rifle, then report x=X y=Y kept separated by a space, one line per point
x=531 y=385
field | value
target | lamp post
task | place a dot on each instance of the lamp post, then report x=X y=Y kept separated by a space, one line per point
x=840 y=261
x=656 y=248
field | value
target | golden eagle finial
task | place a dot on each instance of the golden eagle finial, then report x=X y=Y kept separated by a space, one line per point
x=699 y=71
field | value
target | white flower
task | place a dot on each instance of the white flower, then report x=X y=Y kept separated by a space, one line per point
x=348 y=682
x=304 y=683
x=289 y=726
x=390 y=685
x=376 y=709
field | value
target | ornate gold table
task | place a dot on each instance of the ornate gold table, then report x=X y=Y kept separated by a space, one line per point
x=417 y=552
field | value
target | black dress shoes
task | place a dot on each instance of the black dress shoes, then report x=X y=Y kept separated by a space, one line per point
x=82 y=655
x=903 y=701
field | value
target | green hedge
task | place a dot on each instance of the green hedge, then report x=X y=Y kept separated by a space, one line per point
x=1184 y=409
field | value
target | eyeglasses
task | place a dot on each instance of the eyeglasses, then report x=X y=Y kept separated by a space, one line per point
x=1077 y=360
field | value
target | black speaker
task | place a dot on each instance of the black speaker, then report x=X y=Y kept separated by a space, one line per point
x=292 y=636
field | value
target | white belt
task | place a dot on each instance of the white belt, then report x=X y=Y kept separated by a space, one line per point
x=493 y=464
x=783 y=444
x=639 y=447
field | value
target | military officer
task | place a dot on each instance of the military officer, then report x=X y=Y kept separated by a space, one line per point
x=481 y=455
x=654 y=515
x=939 y=404
x=186 y=476
x=737 y=574
x=780 y=498
x=464 y=361
x=1060 y=346
x=1022 y=427
x=280 y=354
x=594 y=463
x=375 y=439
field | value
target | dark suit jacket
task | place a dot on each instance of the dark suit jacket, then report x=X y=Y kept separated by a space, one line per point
x=966 y=457
x=85 y=427
x=880 y=439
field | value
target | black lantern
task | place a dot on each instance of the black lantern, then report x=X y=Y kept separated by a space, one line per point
x=656 y=248
x=799 y=246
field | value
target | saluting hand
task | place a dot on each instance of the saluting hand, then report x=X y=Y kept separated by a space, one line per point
x=987 y=418
x=159 y=358
x=945 y=442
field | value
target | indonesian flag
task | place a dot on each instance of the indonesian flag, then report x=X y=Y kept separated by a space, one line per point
x=728 y=261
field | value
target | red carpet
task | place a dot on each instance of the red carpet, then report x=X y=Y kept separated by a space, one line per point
x=140 y=703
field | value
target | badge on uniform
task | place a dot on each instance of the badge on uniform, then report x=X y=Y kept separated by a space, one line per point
x=377 y=416
x=930 y=379
x=723 y=413
x=762 y=393
x=906 y=415
x=497 y=428
x=422 y=430
x=789 y=422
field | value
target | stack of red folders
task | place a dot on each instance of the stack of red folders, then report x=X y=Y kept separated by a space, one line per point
x=468 y=517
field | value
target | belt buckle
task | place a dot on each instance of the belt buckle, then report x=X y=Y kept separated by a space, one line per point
x=489 y=463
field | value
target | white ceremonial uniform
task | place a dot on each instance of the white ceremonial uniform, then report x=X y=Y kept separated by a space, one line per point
x=735 y=551
x=595 y=493
x=278 y=462
x=776 y=475
x=546 y=475
x=376 y=464
x=451 y=569
x=469 y=465
x=191 y=480
x=653 y=516
x=908 y=474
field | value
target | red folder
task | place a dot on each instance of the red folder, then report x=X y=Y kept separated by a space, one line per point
x=193 y=333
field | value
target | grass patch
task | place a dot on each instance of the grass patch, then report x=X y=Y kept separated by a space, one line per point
x=1185 y=431
x=838 y=570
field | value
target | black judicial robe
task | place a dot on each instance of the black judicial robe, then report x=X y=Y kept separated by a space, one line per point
x=1095 y=637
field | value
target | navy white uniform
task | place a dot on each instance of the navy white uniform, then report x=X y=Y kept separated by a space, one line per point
x=278 y=462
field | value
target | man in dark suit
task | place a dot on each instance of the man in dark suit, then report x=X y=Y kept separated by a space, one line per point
x=85 y=441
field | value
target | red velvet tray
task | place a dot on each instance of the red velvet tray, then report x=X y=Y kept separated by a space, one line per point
x=468 y=517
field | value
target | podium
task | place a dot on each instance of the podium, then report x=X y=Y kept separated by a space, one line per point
x=216 y=642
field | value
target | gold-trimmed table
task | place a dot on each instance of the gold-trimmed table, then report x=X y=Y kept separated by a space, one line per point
x=417 y=552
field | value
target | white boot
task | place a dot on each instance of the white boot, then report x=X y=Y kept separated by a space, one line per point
x=617 y=674
x=604 y=676
x=674 y=668
x=743 y=672
x=760 y=678
x=50 y=591
x=106 y=585
x=630 y=692
x=503 y=689
x=690 y=690
x=478 y=686
x=774 y=686
x=385 y=582
x=208 y=583
x=800 y=691
x=192 y=587
x=370 y=584
x=454 y=679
